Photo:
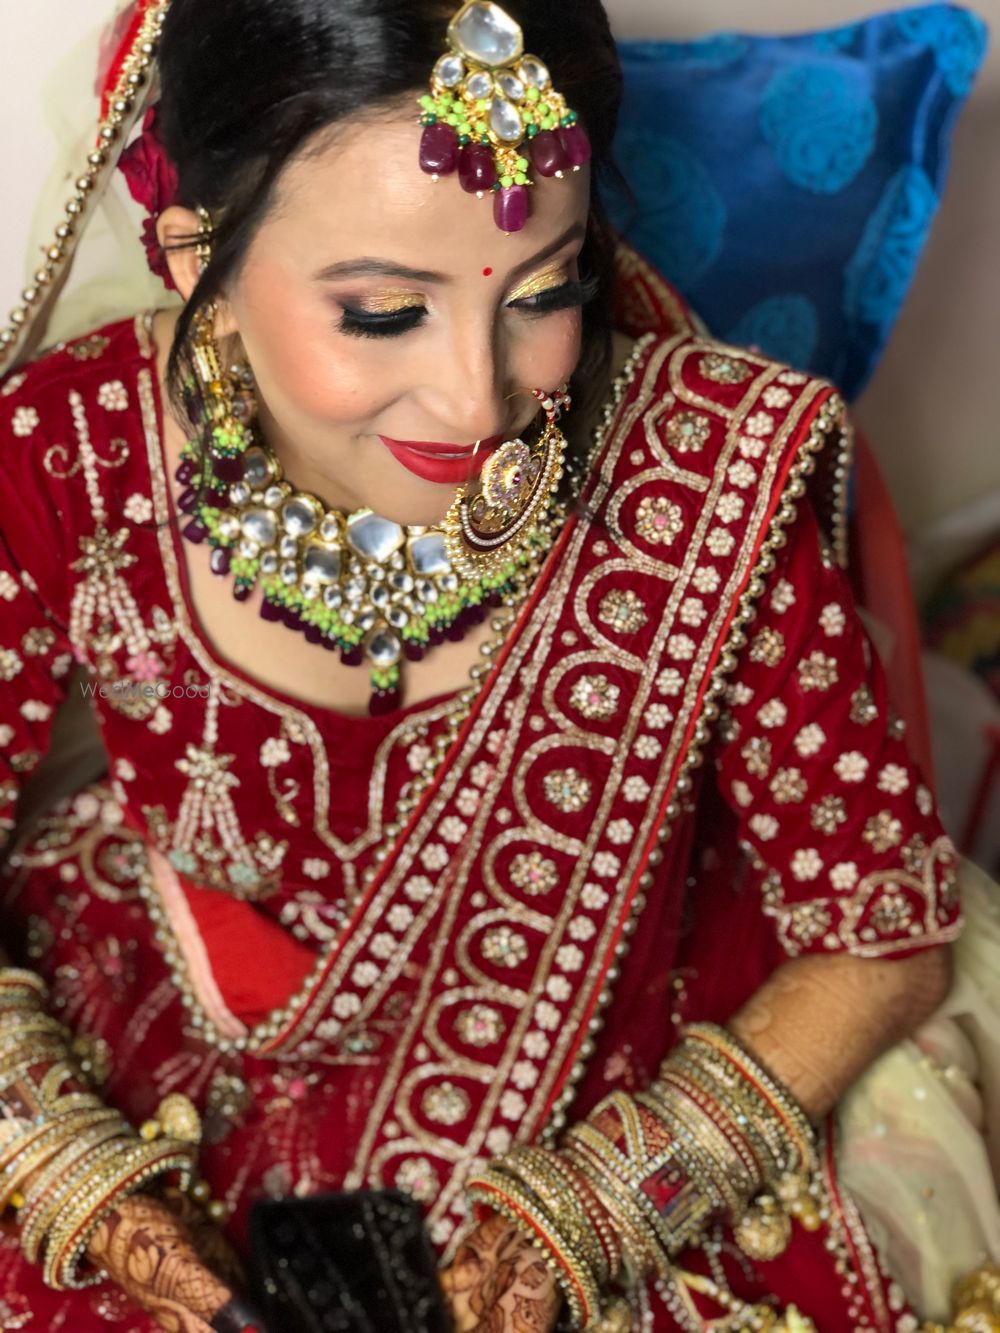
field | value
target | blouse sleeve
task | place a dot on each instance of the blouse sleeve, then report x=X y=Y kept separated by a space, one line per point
x=36 y=659
x=841 y=831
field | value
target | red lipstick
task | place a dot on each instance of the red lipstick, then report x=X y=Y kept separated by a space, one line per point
x=443 y=464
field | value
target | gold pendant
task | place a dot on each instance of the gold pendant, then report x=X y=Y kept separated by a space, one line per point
x=494 y=514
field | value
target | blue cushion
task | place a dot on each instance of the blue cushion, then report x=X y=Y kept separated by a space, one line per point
x=787 y=185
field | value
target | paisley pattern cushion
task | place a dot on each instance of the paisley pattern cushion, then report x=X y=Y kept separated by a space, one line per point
x=787 y=185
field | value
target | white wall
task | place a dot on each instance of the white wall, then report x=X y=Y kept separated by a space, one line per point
x=933 y=409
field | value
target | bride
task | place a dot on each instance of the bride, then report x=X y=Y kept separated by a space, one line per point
x=503 y=804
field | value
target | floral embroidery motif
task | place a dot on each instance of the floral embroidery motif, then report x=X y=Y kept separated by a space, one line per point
x=479 y=1026
x=10 y=664
x=863 y=709
x=772 y=714
x=24 y=422
x=730 y=507
x=832 y=620
x=765 y=827
x=760 y=425
x=446 y=1104
x=688 y=432
x=893 y=779
x=566 y=790
x=767 y=647
x=12 y=385
x=682 y=647
x=504 y=947
x=534 y=873
x=783 y=597
x=658 y=520
x=757 y=753
x=851 y=767
x=113 y=396
x=776 y=398
x=788 y=786
x=138 y=508
x=635 y=789
x=91 y=348
x=720 y=542
x=595 y=698
x=810 y=740
x=844 y=876
x=741 y=474
x=722 y=369
x=828 y=814
x=883 y=832
x=818 y=672
x=706 y=580
x=807 y=864
x=622 y=611
x=416 y=1177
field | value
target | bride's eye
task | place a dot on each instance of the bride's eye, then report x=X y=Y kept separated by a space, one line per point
x=563 y=296
x=380 y=323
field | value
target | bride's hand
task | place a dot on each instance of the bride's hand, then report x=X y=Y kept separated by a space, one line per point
x=499 y=1283
x=148 y=1251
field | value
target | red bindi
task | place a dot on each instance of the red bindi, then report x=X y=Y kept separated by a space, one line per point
x=487 y=273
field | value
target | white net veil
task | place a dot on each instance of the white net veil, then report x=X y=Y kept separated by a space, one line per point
x=109 y=278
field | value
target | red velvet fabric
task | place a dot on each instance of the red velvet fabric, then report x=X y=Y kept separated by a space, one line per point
x=450 y=1015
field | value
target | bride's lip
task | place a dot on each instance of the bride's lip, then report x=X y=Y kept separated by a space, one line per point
x=444 y=464
x=450 y=451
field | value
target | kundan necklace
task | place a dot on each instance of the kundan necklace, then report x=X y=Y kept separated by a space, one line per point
x=375 y=591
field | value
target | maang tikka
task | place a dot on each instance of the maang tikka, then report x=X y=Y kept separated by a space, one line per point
x=493 y=115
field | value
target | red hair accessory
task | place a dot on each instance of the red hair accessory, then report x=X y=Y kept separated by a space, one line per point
x=152 y=182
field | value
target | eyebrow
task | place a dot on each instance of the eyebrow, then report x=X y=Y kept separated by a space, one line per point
x=370 y=267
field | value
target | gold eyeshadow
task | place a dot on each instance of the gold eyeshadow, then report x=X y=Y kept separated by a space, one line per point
x=392 y=303
x=546 y=281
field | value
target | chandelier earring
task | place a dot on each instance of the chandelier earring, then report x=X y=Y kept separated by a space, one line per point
x=499 y=514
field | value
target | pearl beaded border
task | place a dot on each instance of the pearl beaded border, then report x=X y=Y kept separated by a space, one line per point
x=126 y=104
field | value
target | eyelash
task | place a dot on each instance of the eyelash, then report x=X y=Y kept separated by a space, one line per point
x=359 y=324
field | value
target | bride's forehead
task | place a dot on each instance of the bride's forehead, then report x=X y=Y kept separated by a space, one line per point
x=362 y=180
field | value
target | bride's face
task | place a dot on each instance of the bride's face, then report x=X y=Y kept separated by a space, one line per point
x=378 y=308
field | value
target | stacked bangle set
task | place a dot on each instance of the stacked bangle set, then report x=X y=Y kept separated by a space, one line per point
x=643 y=1177
x=66 y=1159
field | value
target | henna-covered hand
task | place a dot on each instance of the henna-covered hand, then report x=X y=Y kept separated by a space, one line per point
x=148 y=1251
x=500 y=1283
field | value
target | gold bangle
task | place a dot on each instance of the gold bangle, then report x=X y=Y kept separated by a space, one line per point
x=42 y=1145
x=70 y=1238
x=503 y=1195
x=61 y=1177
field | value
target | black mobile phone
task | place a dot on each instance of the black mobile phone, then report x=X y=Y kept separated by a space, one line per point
x=358 y=1262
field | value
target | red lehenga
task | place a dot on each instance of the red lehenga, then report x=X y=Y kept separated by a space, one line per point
x=681 y=771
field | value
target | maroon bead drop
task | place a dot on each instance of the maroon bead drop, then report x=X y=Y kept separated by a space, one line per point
x=383 y=702
x=185 y=474
x=329 y=644
x=221 y=560
x=413 y=652
x=195 y=532
x=438 y=150
x=242 y=591
x=476 y=169
x=510 y=208
x=268 y=610
x=313 y=634
x=187 y=501
x=352 y=657
x=228 y=470
x=547 y=154
x=574 y=140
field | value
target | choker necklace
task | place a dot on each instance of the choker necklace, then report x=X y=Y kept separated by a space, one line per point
x=374 y=590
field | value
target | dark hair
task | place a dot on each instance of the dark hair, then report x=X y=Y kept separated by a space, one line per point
x=247 y=83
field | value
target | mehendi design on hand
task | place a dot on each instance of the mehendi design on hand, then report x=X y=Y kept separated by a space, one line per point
x=499 y=1283
x=148 y=1252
